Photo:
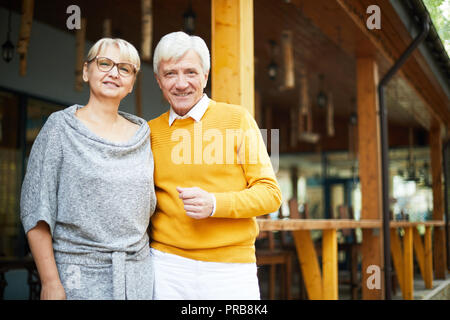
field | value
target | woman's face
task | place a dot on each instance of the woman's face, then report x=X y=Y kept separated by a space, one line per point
x=110 y=84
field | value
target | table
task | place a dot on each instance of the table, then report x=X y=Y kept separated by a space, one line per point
x=322 y=283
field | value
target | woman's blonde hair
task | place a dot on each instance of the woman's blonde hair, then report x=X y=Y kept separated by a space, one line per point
x=127 y=51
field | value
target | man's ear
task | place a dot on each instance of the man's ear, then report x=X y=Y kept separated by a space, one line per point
x=206 y=79
x=157 y=80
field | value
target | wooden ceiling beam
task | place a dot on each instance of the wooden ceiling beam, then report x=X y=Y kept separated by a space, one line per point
x=390 y=41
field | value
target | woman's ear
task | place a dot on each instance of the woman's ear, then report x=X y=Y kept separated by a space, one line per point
x=85 y=72
x=134 y=82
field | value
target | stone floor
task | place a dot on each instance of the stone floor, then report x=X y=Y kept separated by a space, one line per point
x=440 y=290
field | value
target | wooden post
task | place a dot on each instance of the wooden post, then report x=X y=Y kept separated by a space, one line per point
x=330 y=115
x=232 y=52
x=138 y=94
x=304 y=105
x=26 y=21
x=369 y=169
x=397 y=257
x=80 y=41
x=424 y=256
x=439 y=252
x=288 y=59
x=428 y=259
x=107 y=28
x=308 y=263
x=146 y=29
x=293 y=132
x=259 y=115
x=268 y=125
x=329 y=265
x=408 y=272
x=305 y=112
x=294 y=182
x=419 y=251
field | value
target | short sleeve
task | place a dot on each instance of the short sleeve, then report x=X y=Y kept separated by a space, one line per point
x=38 y=200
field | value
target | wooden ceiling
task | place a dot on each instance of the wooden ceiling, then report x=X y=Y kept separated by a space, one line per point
x=325 y=42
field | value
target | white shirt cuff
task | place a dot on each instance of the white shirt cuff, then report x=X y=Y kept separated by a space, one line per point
x=214 y=206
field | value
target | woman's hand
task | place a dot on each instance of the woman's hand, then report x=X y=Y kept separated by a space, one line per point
x=40 y=241
x=53 y=291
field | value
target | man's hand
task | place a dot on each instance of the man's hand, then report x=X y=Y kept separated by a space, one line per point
x=198 y=203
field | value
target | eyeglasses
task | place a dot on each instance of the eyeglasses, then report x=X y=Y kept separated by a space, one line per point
x=106 y=65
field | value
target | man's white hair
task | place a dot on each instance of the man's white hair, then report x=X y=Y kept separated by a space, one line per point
x=174 y=45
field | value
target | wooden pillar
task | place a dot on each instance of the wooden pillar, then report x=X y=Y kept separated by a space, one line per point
x=26 y=21
x=146 y=29
x=408 y=266
x=309 y=264
x=428 y=257
x=259 y=114
x=288 y=59
x=439 y=246
x=80 y=43
x=329 y=265
x=232 y=52
x=107 y=28
x=424 y=255
x=138 y=94
x=397 y=257
x=369 y=145
x=294 y=182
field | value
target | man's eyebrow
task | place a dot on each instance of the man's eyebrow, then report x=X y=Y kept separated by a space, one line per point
x=168 y=70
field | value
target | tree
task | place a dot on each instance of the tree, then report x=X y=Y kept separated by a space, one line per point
x=440 y=15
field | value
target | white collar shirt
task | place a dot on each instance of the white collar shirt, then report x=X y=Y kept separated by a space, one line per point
x=195 y=113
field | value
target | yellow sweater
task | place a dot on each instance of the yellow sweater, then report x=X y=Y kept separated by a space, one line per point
x=223 y=154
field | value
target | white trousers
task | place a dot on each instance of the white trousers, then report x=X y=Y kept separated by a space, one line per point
x=179 y=278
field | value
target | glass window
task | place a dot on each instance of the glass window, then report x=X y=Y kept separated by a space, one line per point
x=10 y=172
x=37 y=113
x=21 y=119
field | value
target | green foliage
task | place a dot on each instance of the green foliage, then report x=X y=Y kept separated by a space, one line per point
x=440 y=14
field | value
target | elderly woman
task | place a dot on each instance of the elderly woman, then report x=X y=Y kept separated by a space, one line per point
x=88 y=192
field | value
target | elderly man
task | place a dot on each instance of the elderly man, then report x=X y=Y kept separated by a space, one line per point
x=213 y=176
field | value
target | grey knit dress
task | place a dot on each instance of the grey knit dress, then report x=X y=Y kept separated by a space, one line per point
x=97 y=196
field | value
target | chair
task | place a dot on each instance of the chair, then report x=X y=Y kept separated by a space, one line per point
x=351 y=249
x=273 y=256
x=288 y=244
x=11 y=263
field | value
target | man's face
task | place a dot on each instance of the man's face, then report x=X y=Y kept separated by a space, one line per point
x=182 y=81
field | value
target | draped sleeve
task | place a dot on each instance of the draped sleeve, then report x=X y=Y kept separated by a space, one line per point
x=40 y=186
